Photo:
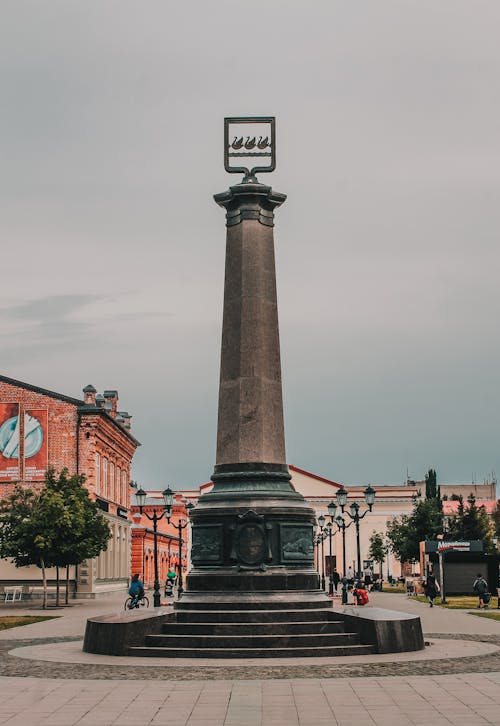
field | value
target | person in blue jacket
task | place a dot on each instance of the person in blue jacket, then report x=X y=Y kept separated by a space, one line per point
x=136 y=591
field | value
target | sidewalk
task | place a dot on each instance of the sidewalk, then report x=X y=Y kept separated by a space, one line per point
x=436 y=619
x=71 y=621
x=468 y=700
x=160 y=696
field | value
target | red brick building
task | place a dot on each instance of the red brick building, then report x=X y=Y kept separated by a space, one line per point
x=41 y=429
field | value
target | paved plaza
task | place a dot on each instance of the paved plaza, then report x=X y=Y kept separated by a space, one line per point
x=46 y=679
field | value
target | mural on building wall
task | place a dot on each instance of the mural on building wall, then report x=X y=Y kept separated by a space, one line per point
x=35 y=443
x=9 y=441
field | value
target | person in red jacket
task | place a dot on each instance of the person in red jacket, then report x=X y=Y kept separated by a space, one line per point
x=360 y=595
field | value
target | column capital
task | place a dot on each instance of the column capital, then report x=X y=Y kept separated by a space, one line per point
x=249 y=201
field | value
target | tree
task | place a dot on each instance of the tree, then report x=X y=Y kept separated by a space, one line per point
x=378 y=549
x=432 y=491
x=471 y=522
x=57 y=526
x=430 y=484
x=407 y=531
x=496 y=519
x=29 y=526
x=88 y=533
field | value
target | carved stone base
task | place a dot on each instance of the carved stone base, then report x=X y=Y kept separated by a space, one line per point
x=253 y=535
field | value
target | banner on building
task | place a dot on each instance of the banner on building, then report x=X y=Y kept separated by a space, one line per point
x=9 y=441
x=35 y=443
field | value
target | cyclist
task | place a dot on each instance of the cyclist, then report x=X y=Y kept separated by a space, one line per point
x=136 y=591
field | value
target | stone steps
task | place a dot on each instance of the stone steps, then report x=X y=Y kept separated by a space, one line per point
x=252 y=616
x=247 y=628
x=255 y=640
x=292 y=652
x=252 y=633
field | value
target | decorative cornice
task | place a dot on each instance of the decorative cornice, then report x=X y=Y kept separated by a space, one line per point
x=250 y=201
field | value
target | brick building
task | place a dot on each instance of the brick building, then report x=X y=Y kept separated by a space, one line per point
x=41 y=429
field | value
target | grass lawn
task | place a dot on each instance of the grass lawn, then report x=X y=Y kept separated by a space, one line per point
x=399 y=588
x=457 y=602
x=489 y=615
x=13 y=621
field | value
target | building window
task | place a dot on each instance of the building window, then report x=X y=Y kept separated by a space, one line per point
x=112 y=493
x=118 y=485
x=105 y=477
x=97 y=473
x=124 y=489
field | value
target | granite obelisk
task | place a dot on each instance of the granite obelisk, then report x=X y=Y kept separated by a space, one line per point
x=252 y=535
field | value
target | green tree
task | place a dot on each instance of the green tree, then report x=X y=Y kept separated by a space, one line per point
x=432 y=491
x=399 y=534
x=471 y=522
x=88 y=531
x=496 y=519
x=407 y=531
x=431 y=484
x=54 y=527
x=378 y=549
x=29 y=526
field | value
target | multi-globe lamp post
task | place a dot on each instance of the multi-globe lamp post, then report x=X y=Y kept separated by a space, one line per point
x=355 y=516
x=168 y=500
x=321 y=538
x=341 y=527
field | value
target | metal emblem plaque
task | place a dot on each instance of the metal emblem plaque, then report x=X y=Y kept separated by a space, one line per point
x=206 y=544
x=250 y=145
x=296 y=543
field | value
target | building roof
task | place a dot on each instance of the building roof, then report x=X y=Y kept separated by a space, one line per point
x=83 y=408
x=450 y=506
x=314 y=476
x=43 y=391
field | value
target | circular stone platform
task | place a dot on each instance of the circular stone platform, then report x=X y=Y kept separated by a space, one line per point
x=437 y=649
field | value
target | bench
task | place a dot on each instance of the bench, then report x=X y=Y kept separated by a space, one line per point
x=11 y=594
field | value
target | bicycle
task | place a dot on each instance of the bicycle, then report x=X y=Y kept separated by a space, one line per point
x=133 y=602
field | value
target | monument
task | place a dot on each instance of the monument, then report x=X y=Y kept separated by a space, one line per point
x=252 y=535
x=253 y=590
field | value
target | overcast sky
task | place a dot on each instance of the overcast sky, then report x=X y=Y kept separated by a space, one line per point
x=112 y=262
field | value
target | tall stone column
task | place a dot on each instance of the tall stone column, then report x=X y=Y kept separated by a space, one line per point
x=250 y=426
x=252 y=535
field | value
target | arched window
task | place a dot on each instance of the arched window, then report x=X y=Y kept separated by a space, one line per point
x=105 y=491
x=97 y=473
x=119 y=499
x=112 y=493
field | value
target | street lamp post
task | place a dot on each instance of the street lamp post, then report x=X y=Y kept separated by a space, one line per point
x=181 y=524
x=341 y=527
x=168 y=498
x=355 y=516
x=328 y=530
x=322 y=536
x=316 y=541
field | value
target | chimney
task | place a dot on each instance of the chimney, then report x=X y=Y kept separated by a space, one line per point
x=111 y=402
x=99 y=401
x=126 y=419
x=89 y=395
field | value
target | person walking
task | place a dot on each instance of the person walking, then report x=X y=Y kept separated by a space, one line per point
x=431 y=588
x=335 y=578
x=368 y=576
x=480 y=587
x=350 y=575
